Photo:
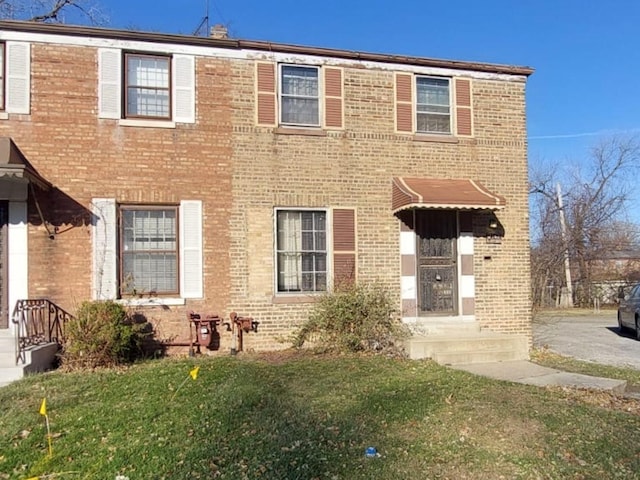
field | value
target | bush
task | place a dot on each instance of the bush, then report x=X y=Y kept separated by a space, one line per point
x=102 y=334
x=353 y=318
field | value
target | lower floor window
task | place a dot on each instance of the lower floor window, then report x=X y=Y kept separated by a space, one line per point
x=301 y=249
x=148 y=250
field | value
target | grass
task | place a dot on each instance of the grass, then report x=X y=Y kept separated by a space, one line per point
x=308 y=417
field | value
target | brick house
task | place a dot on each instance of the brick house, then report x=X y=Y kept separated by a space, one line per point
x=176 y=173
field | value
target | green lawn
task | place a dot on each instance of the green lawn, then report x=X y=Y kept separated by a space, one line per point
x=310 y=417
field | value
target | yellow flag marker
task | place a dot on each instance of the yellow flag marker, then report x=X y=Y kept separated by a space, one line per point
x=193 y=373
x=43 y=412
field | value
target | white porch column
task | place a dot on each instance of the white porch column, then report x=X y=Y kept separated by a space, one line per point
x=18 y=256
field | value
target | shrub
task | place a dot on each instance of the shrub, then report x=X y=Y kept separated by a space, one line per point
x=102 y=334
x=353 y=318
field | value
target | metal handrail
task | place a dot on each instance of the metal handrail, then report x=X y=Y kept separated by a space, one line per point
x=38 y=321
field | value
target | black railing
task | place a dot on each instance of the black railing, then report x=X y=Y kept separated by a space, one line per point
x=38 y=321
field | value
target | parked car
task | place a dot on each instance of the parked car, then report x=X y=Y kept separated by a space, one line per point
x=629 y=311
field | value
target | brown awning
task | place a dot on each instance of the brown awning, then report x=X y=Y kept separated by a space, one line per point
x=464 y=194
x=13 y=164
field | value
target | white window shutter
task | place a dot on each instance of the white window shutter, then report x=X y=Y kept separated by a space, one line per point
x=18 y=77
x=191 y=249
x=184 y=89
x=109 y=83
x=105 y=285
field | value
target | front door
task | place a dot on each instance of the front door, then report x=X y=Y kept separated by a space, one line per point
x=436 y=233
x=4 y=267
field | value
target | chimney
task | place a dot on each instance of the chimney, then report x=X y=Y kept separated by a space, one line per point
x=219 y=31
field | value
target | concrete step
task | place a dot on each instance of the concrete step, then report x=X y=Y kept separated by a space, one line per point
x=10 y=374
x=466 y=358
x=7 y=350
x=468 y=348
x=37 y=358
x=428 y=327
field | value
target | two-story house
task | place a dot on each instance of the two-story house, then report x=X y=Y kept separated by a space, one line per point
x=176 y=173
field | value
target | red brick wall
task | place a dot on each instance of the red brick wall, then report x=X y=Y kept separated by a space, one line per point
x=86 y=157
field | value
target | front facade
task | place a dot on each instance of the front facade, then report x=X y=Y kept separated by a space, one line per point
x=177 y=173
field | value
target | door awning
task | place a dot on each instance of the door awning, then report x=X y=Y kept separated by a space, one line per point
x=458 y=194
x=14 y=165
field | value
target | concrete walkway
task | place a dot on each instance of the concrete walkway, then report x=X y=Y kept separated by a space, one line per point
x=584 y=335
x=523 y=371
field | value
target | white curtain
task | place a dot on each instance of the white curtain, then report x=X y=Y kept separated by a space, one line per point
x=289 y=247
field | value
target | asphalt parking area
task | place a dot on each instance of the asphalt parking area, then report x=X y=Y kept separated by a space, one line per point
x=590 y=336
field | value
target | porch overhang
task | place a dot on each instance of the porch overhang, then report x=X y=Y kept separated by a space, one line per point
x=438 y=193
x=14 y=167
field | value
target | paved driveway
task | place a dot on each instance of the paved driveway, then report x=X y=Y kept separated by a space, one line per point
x=587 y=336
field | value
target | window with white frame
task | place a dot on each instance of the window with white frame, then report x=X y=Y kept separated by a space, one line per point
x=301 y=250
x=148 y=86
x=149 y=89
x=299 y=95
x=148 y=250
x=433 y=105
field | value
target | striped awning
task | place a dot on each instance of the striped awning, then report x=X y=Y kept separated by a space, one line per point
x=14 y=165
x=457 y=194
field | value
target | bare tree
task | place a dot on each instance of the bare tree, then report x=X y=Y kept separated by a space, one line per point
x=595 y=201
x=53 y=11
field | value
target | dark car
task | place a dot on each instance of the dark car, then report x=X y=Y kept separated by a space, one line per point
x=629 y=311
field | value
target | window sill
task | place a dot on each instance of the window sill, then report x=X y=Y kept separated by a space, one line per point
x=151 y=301
x=131 y=122
x=311 y=131
x=425 y=137
x=4 y=116
x=283 y=299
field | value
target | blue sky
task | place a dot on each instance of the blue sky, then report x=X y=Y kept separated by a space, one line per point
x=585 y=53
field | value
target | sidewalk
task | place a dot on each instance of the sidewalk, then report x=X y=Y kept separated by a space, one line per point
x=523 y=371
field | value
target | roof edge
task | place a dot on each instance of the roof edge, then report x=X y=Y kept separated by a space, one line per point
x=131 y=35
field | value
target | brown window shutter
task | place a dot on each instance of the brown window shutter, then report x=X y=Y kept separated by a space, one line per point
x=344 y=246
x=333 y=97
x=464 y=124
x=404 y=102
x=266 y=93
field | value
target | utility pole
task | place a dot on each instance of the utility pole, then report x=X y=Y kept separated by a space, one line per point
x=566 y=294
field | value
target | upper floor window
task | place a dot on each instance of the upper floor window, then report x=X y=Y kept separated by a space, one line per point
x=148 y=80
x=433 y=108
x=299 y=95
x=146 y=89
x=433 y=105
x=148 y=250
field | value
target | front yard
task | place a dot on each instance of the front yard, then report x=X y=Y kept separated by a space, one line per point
x=289 y=416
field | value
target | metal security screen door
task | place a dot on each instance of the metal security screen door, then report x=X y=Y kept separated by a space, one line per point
x=4 y=270
x=436 y=232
